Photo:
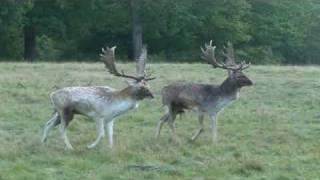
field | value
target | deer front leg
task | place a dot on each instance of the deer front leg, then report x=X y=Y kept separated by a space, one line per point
x=100 y=132
x=110 y=133
x=214 y=126
x=195 y=136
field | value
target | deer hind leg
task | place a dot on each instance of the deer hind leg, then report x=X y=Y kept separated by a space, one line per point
x=66 y=117
x=53 y=121
x=200 y=130
x=100 y=133
x=163 y=119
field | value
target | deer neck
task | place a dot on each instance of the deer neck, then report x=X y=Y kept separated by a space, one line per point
x=229 y=87
x=125 y=100
x=126 y=94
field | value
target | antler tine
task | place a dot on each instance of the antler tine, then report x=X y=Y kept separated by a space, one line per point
x=108 y=58
x=244 y=65
x=209 y=45
x=208 y=54
x=148 y=77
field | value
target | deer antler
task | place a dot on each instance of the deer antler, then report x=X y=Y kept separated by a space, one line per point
x=108 y=58
x=141 y=62
x=208 y=54
x=243 y=65
x=141 y=65
x=228 y=53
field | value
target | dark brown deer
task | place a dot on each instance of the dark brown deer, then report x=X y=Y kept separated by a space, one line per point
x=207 y=99
x=101 y=103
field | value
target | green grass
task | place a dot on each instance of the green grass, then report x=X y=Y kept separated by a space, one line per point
x=271 y=132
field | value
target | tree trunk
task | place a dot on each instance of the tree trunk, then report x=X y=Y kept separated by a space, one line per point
x=136 y=28
x=30 y=51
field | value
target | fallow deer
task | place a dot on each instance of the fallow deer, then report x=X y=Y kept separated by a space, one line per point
x=207 y=99
x=101 y=103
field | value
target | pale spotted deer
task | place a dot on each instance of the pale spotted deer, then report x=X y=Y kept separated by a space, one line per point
x=100 y=103
x=207 y=99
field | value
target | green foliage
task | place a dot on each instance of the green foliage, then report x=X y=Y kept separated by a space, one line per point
x=263 y=31
x=282 y=27
x=47 y=48
x=11 y=27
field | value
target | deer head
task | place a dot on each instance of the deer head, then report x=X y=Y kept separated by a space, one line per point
x=137 y=85
x=235 y=74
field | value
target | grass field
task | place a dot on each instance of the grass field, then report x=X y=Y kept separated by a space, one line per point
x=271 y=132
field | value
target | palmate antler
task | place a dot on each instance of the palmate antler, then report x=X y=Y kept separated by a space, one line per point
x=108 y=57
x=228 y=53
x=141 y=65
x=141 y=62
x=208 y=54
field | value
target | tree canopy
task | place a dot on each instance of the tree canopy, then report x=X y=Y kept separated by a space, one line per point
x=263 y=32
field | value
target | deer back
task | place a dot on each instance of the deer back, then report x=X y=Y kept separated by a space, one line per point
x=202 y=97
x=92 y=101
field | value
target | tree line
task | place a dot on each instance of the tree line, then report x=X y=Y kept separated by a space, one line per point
x=263 y=32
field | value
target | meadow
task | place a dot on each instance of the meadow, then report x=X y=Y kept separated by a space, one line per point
x=271 y=132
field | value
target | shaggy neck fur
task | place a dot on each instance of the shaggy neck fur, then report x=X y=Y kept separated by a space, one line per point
x=127 y=92
x=135 y=93
x=229 y=86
